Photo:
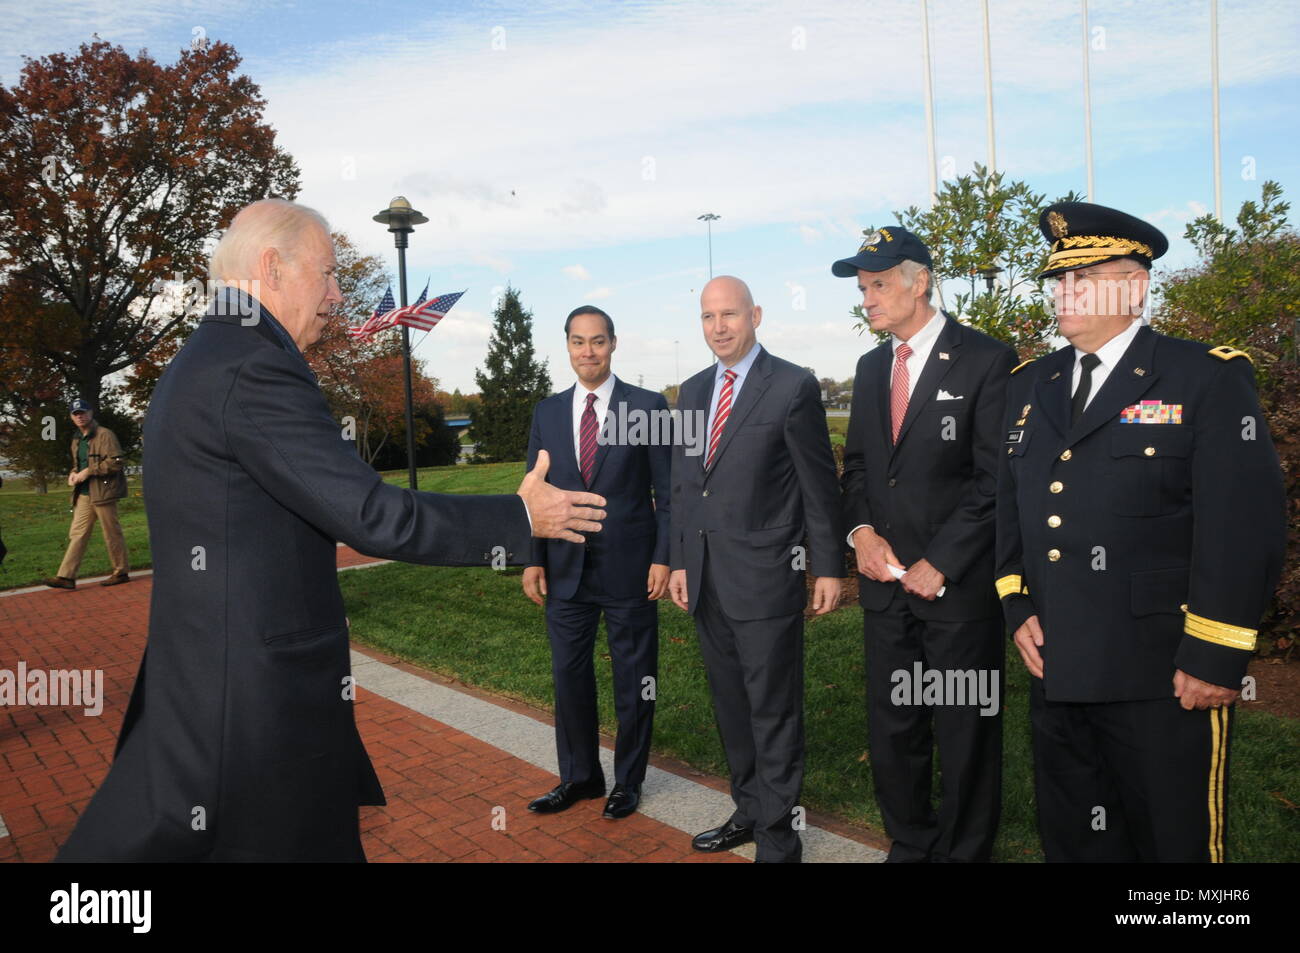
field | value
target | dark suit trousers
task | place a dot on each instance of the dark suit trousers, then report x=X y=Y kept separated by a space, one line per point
x=902 y=736
x=632 y=626
x=755 y=670
x=1119 y=782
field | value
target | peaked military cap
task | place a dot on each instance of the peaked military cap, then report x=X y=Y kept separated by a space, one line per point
x=1081 y=233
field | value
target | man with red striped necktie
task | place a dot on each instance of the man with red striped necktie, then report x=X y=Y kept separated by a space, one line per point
x=618 y=573
x=750 y=514
x=920 y=466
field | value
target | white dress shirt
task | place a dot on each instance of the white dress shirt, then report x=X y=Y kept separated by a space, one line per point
x=600 y=407
x=921 y=343
x=1109 y=354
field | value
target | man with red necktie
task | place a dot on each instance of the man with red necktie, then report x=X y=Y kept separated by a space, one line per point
x=920 y=485
x=751 y=512
x=620 y=572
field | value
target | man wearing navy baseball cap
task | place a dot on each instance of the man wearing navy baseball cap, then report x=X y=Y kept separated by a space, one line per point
x=919 y=485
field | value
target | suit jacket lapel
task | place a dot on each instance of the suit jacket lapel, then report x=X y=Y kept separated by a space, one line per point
x=619 y=393
x=564 y=420
x=1052 y=393
x=750 y=391
x=885 y=361
x=1128 y=380
x=697 y=401
x=932 y=375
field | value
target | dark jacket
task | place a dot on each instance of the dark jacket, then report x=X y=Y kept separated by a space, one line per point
x=932 y=495
x=1141 y=547
x=768 y=507
x=239 y=742
x=633 y=477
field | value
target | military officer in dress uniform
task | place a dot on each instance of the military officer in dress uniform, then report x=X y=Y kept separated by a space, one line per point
x=1140 y=534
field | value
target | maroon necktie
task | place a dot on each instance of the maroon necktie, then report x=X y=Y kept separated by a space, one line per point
x=720 y=420
x=587 y=440
x=898 y=392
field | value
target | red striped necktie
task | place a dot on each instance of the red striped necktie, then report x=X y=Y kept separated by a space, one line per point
x=898 y=392
x=587 y=440
x=720 y=419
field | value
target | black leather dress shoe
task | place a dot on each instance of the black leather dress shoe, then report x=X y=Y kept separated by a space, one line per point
x=623 y=800
x=566 y=794
x=727 y=836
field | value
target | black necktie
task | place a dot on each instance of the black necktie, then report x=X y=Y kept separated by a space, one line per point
x=1087 y=362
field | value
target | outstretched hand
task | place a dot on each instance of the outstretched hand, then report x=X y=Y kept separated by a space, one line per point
x=556 y=513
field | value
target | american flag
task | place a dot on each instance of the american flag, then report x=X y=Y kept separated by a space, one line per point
x=422 y=315
x=425 y=315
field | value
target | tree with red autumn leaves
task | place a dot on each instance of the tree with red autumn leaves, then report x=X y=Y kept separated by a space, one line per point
x=116 y=172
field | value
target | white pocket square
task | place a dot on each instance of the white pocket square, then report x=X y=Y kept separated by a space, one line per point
x=944 y=395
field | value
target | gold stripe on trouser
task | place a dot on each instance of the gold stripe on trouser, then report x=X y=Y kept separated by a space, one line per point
x=1218 y=766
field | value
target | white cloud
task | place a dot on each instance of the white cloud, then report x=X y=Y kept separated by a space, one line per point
x=577 y=272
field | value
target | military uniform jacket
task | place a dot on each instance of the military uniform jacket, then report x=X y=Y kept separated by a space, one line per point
x=1149 y=536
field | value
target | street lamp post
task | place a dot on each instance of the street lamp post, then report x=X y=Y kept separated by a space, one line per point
x=709 y=218
x=401 y=220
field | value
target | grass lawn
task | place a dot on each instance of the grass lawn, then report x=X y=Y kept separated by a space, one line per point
x=839 y=428
x=35 y=528
x=475 y=625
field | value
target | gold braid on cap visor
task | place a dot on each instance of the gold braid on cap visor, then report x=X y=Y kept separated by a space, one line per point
x=1079 y=250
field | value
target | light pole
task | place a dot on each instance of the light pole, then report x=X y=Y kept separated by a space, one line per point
x=709 y=218
x=401 y=220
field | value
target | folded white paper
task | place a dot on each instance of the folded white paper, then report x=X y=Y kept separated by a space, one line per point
x=898 y=574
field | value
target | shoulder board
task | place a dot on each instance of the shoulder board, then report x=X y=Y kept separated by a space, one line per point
x=1022 y=365
x=1225 y=353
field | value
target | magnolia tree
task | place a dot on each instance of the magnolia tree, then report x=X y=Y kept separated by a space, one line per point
x=983 y=236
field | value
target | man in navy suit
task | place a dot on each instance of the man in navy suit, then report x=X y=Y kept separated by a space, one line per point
x=593 y=433
x=920 y=485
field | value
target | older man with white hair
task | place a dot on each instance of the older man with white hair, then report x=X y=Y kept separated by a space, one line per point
x=239 y=742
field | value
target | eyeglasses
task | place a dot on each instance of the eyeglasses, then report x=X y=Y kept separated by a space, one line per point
x=1071 y=278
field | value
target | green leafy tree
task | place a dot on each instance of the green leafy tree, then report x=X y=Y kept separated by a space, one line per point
x=510 y=384
x=984 y=227
x=1244 y=293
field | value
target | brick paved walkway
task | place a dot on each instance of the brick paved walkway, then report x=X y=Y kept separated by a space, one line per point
x=444 y=786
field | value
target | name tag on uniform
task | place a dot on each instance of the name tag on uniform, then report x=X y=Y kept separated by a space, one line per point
x=1015 y=436
x=1152 y=412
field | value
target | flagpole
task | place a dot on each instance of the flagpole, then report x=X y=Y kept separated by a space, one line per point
x=1214 y=82
x=988 y=90
x=929 y=104
x=1087 y=103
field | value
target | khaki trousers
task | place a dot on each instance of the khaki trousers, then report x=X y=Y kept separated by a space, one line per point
x=83 y=521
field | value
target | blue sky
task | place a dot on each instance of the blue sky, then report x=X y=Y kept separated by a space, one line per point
x=567 y=148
